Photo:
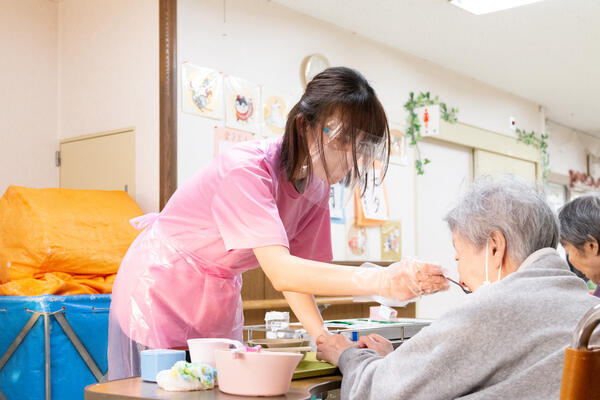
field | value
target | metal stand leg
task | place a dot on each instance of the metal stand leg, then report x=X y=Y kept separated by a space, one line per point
x=47 y=355
x=15 y=344
x=62 y=321
x=85 y=355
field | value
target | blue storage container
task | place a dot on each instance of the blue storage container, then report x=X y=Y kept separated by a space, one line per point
x=71 y=330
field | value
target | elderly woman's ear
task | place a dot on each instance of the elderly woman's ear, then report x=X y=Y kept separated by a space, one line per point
x=498 y=254
x=591 y=246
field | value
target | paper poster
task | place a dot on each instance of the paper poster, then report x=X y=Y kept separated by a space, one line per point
x=336 y=203
x=429 y=119
x=275 y=111
x=242 y=100
x=357 y=240
x=374 y=203
x=398 y=149
x=390 y=241
x=372 y=208
x=201 y=91
x=227 y=137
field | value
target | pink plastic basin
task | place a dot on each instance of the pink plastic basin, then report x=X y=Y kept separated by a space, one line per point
x=255 y=374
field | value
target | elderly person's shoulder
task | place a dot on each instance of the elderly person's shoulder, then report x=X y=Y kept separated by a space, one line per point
x=543 y=275
x=546 y=263
x=543 y=295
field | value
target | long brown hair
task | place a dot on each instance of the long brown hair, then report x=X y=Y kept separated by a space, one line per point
x=346 y=93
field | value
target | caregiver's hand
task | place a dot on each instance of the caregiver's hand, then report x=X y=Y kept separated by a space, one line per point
x=331 y=347
x=405 y=280
x=377 y=343
x=410 y=278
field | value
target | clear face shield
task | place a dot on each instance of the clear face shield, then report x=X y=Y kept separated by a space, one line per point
x=333 y=161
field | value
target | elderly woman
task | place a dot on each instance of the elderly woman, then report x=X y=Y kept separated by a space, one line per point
x=507 y=340
x=580 y=235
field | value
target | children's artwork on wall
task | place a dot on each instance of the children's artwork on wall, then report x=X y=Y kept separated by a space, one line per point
x=242 y=98
x=357 y=241
x=202 y=91
x=275 y=112
x=429 y=119
x=372 y=208
x=391 y=232
x=227 y=137
x=399 y=148
x=336 y=203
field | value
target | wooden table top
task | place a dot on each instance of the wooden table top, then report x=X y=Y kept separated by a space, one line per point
x=136 y=389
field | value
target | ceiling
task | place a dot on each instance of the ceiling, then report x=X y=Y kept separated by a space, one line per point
x=547 y=52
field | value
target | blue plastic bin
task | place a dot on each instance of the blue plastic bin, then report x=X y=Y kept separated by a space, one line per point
x=64 y=323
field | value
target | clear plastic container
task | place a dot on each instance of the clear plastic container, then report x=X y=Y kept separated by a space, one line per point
x=277 y=323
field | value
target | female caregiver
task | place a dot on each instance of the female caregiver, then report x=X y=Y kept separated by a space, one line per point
x=261 y=203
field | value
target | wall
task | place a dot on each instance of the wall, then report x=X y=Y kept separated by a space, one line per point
x=568 y=148
x=108 y=78
x=28 y=85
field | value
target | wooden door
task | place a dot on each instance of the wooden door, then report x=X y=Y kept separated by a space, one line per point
x=104 y=161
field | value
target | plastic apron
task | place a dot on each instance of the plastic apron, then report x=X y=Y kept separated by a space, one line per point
x=145 y=314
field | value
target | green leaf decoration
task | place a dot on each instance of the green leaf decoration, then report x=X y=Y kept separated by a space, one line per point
x=541 y=143
x=413 y=130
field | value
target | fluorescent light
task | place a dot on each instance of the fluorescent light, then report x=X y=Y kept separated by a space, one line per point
x=479 y=7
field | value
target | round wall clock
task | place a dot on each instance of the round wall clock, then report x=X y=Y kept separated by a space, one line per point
x=311 y=66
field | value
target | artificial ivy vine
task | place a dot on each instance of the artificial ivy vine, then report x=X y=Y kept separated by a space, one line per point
x=413 y=129
x=540 y=143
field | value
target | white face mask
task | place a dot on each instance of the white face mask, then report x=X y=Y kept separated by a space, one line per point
x=487 y=282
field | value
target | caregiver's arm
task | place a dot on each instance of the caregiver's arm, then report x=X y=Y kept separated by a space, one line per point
x=305 y=308
x=289 y=273
x=403 y=280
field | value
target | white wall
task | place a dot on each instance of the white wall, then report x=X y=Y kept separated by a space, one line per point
x=28 y=84
x=265 y=43
x=71 y=68
x=568 y=148
x=108 y=78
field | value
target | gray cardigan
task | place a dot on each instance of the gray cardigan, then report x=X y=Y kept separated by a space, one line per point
x=507 y=341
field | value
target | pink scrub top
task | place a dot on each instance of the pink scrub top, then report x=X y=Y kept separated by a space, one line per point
x=181 y=277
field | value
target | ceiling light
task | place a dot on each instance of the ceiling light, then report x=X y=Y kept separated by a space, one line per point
x=479 y=7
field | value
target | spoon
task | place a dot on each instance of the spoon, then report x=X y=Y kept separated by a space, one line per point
x=464 y=289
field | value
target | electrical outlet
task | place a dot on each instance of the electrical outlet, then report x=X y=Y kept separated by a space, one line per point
x=513 y=124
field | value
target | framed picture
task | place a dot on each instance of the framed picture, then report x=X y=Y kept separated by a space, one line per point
x=371 y=209
x=398 y=145
x=201 y=91
x=356 y=242
x=391 y=234
x=593 y=166
x=276 y=107
x=242 y=102
x=336 y=203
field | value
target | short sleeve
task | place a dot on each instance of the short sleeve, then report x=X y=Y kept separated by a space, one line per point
x=313 y=242
x=245 y=210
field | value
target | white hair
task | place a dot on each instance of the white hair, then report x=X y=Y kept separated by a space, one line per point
x=509 y=205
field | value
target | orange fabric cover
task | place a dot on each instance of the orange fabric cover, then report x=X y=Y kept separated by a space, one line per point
x=63 y=241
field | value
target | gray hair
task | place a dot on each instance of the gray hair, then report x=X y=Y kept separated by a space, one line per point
x=509 y=205
x=580 y=221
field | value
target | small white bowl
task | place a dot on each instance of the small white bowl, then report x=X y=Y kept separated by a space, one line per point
x=202 y=350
